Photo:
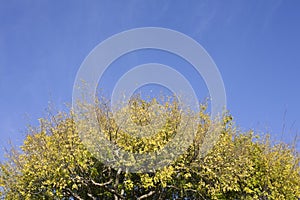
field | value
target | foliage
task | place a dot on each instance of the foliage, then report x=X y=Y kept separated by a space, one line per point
x=54 y=163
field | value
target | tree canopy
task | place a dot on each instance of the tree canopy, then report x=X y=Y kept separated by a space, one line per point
x=53 y=163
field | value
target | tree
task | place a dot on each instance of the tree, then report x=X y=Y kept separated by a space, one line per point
x=55 y=164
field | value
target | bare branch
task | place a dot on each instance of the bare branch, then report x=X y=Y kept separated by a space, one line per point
x=102 y=184
x=146 y=195
x=90 y=195
x=75 y=195
x=117 y=181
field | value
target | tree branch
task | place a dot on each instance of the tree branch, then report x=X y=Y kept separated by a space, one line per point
x=117 y=181
x=76 y=196
x=146 y=195
x=101 y=184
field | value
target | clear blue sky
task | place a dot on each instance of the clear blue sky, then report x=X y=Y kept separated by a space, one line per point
x=255 y=44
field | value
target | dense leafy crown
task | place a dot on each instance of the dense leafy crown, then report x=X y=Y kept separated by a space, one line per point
x=54 y=164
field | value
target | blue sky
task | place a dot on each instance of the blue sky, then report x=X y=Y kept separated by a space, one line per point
x=255 y=45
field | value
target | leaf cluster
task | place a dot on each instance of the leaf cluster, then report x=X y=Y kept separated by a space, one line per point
x=55 y=164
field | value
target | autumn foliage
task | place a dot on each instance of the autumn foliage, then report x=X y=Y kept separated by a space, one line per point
x=54 y=163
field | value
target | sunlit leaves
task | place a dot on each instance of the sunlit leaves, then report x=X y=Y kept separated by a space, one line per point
x=54 y=163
